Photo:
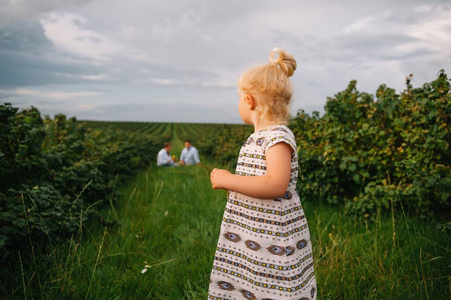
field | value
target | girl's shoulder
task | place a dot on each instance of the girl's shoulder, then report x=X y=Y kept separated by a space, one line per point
x=274 y=130
x=279 y=130
x=276 y=134
x=280 y=127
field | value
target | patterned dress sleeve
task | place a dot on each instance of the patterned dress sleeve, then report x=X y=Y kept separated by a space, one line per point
x=279 y=135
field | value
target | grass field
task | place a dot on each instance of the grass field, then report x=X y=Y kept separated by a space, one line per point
x=169 y=223
x=161 y=236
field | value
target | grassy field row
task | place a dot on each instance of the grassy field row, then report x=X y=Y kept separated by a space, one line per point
x=167 y=226
x=163 y=131
x=158 y=239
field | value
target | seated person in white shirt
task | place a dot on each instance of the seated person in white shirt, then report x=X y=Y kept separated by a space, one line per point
x=164 y=158
x=190 y=155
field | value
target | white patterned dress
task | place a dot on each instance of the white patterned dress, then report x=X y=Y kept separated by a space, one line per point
x=264 y=249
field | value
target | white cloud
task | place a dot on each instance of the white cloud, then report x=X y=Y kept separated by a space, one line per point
x=164 y=81
x=169 y=29
x=211 y=82
x=416 y=32
x=433 y=33
x=130 y=31
x=423 y=8
x=87 y=107
x=66 y=32
x=19 y=10
x=50 y=95
x=145 y=51
x=97 y=77
x=94 y=77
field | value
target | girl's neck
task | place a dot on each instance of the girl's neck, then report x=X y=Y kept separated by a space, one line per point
x=255 y=118
x=261 y=125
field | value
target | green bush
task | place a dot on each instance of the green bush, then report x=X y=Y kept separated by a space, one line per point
x=224 y=144
x=56 y=174
x=369 y=153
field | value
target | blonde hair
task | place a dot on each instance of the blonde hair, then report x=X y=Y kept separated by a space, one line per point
x=272 y=85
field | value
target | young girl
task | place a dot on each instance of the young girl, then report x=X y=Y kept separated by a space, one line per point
x=264 y=249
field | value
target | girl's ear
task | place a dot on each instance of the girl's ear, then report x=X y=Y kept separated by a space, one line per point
x=250 y=102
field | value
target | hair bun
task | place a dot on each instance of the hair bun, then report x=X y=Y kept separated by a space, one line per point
x=286 y=62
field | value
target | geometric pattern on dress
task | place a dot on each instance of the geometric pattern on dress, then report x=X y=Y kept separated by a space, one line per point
x=264 y=249
x=262 y=220
x=263 y=231
x=264 y=264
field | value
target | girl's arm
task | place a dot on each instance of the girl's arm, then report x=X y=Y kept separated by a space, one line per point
x=272 y=185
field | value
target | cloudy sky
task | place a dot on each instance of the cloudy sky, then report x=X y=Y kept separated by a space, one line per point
x=178 y=61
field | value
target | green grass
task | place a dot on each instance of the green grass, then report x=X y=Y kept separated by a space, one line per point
x=169 y=224
x=177 y=143
x=162 y=235
x=394 y=258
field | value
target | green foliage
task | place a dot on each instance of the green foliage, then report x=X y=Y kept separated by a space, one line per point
x=170 y=220
x=371 y=153
x=224 y=144
x=165 y=246
x=39 y=214
x=55 y=173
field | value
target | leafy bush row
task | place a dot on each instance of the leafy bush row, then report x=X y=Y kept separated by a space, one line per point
x=370 y=152
x=223 y=145
x=56 y=174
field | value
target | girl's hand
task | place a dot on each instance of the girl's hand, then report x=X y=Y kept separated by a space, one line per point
x=218 y=178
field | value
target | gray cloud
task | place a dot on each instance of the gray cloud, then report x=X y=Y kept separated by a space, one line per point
x=25 y=36
x=23 y=10
x=160 y=113
x=184 y=57
x=29 y=58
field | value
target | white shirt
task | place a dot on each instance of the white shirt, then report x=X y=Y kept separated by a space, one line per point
x=190 y=156
x=163 y=158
